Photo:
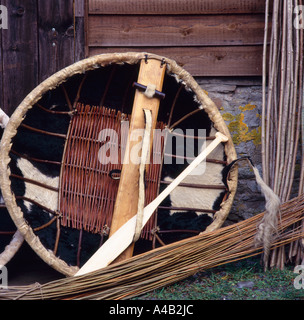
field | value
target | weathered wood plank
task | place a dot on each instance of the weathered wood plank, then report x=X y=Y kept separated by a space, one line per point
x=79 y=26
x=206 y=61
x=176 y=6
x=1 y=73
x=20 y=52
x=188 y=30
x=56 y=36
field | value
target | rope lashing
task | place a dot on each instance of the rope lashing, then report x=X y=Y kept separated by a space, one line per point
x=150 y=91
x=144 y=156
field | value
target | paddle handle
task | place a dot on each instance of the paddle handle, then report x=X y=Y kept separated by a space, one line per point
x=4 y=118
x=219 y=137
x=123 y=237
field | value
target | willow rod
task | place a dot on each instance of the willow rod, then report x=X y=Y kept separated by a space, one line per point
x=263 y=131
x=283 y=108
x=167 y=264
x=198 y=186
x=54 y=111
x=184 y=118
x=187 y=209
x=38 y=183
x=54 y=134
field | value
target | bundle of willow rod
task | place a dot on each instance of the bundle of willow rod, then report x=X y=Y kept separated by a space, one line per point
x=168 y=264
x=282 y=108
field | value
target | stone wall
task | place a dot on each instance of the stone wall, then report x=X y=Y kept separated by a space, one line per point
x=240 y=103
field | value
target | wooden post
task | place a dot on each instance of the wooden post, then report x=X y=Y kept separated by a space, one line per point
x=151 y=72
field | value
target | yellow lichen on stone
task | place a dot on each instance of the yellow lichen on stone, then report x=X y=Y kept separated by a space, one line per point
x=248 y=107
x=228 y=116
x=240 y=128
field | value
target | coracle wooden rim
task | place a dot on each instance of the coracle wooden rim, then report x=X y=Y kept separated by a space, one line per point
x=61 y=76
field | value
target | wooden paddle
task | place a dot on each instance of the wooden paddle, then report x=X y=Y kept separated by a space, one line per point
x=4 y=118
x=123 y=237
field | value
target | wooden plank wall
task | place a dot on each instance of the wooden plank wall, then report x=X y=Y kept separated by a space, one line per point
x=206 y=37
x=19 y=52
x=1 y=73
x=42 y=38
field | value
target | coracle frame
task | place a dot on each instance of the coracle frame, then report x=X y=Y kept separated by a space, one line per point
x=81 y=67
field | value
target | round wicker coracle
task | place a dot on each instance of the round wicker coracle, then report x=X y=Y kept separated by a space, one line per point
x=59 y=193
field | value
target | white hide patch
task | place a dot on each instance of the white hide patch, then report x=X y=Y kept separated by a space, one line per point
x=45 y=197
x=200 y=198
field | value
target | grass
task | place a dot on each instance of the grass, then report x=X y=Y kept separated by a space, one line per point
x=243 y=280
